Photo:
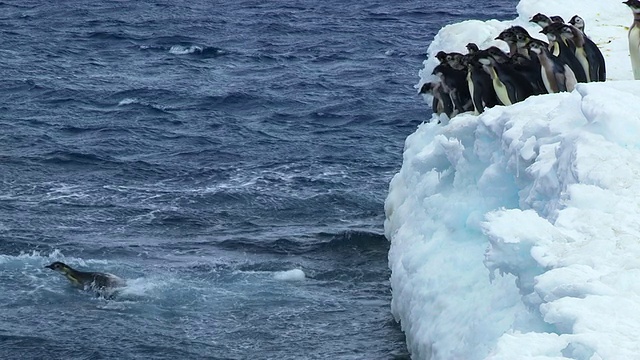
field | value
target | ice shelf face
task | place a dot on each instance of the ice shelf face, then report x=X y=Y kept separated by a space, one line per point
x=515 y=234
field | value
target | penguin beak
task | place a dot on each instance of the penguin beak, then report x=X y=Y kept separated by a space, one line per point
x=49 y=267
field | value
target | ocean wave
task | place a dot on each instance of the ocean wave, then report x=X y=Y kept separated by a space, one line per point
x=76 y=158
x=356 y=240
x=143 y=104
x=199 y=51
x=40 y=257
x=194 y=49
x=183 y=50
x=107 y=35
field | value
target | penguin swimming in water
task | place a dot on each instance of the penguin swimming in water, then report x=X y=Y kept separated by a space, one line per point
x=102 y=283
x=634 y=37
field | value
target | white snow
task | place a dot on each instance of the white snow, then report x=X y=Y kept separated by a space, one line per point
x=516 y=234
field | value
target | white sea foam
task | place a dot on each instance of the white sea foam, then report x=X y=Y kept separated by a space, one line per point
x=290 y=275
x=127 y=101
x=515 y=234
x=184 y=50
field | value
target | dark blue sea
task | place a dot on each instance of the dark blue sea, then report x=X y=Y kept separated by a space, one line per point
x=203 y=150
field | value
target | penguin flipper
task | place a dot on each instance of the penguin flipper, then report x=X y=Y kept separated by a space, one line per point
x=570 y=80
x=561 y=81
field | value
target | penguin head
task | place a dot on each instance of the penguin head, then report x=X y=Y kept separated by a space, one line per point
x=540 y=19
x=455 y=60
x=557 y=19
x=441 y=56
x=439 y=70
x=536 y=46
x=497 y=54
x=553 y=28
x=522 y=40
x=58 y=266
x=634 y=5
x=519 y=30
x=427 y=88
x=577 y=21
x=566 y=31
x=507 y=36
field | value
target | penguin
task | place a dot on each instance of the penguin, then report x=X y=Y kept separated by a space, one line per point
x=454 y=83
x=578 y=22
x=566 y=51
x=508 y=36
x=541 y=19
x=441 y=56
x=510 y=85
x=454 y=60
x=555 y=75
x=557 y=19
x=472 y=48
x=528 y=64
x=480 y=83
x=530 y=69
x=441 y=103
x=520 y=33
x=521 y=44
x=97 y=281
x=586 y=51
x=634 y=37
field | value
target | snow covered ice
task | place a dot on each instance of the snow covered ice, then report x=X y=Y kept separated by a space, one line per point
x=516 y=234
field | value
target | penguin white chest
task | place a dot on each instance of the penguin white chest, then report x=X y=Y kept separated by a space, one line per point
x=499 y=88
x=634 y=50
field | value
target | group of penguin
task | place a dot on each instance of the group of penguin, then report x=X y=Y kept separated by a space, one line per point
x=484 y=78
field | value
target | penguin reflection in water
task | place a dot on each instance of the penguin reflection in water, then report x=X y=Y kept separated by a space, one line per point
x=103 y=284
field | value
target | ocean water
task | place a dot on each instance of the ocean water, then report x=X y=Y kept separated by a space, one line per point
x=229 y=159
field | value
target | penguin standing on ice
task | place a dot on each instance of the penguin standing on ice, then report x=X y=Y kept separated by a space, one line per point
x=454 y=83
x=530 y=69
x=510 y=85
x=586 y=51
x=480 y=83
x=556 y=75
x=566 y=53
x=441 y=103
x=634 y=37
